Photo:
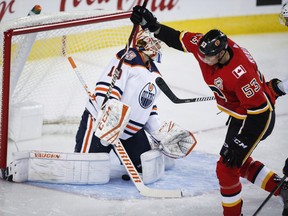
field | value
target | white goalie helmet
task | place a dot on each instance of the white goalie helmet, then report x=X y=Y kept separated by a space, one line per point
x=148 y=44
x=283 y=16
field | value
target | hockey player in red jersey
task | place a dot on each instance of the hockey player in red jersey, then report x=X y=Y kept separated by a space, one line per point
x=242 y=92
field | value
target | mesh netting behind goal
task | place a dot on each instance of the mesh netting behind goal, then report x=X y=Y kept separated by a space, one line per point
x=36 y=77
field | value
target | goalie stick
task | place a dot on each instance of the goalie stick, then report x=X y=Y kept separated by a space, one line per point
x=118 y=68
x=168 y=92
x=80 y=78
x=134 y=175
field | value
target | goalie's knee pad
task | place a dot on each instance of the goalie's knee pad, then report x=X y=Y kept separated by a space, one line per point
x=153 y=166
x=169 y=162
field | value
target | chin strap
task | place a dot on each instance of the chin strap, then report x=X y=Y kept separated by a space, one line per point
x=220 y=59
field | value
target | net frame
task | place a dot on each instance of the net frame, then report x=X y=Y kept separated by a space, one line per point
x=20 y=28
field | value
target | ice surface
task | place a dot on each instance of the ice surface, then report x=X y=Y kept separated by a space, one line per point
x=194 y=175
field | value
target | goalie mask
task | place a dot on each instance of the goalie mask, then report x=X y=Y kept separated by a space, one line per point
x=148 y=44
x=283 y=16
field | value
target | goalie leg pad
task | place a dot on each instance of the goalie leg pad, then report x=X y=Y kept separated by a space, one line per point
x=169 y=162
x=112 y=121
x=17 y=170
x=153 y=166
x=66 y=168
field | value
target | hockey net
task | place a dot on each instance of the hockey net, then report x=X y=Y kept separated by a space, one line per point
x=37 y=81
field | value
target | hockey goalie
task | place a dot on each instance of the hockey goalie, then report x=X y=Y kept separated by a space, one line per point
x=130 y=117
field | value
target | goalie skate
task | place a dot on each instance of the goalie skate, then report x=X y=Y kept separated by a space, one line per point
x=284 y=196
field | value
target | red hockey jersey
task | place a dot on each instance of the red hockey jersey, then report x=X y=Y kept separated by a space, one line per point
x=239 y=87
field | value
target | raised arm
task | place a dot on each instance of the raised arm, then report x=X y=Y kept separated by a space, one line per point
x=142 y=16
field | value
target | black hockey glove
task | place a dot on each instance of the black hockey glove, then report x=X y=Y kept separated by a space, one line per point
x=273 y=85
x=285 y=169
x=136 y=17
x=234 y=151
x=142 y=16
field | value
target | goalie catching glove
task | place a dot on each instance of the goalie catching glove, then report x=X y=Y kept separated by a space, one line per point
x=174 y=141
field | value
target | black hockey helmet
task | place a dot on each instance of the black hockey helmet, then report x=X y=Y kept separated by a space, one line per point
x=213 y=42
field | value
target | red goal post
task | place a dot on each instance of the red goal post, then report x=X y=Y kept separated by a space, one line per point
x=37 y=82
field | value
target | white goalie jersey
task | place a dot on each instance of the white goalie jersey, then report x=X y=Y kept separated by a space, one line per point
x=135 y=87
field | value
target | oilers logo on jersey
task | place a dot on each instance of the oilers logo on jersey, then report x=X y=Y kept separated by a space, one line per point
x=147 y=95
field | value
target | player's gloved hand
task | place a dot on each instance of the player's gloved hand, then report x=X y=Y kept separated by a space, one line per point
x=285 y=168
x=234 y=151
x=273 y=85
x=142 y=16
x=136 y=17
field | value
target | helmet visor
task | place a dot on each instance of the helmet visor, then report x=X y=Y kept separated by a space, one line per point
x=210 y=60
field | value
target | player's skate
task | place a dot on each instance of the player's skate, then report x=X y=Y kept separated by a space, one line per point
x=6 y=175
x=284 y=196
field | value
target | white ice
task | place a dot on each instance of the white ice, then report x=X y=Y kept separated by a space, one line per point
x=196 y=173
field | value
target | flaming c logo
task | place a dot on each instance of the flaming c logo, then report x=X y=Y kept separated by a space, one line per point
x=217 y=42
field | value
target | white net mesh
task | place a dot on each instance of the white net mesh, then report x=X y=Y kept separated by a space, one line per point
x=47 y=78
x=40 y=72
